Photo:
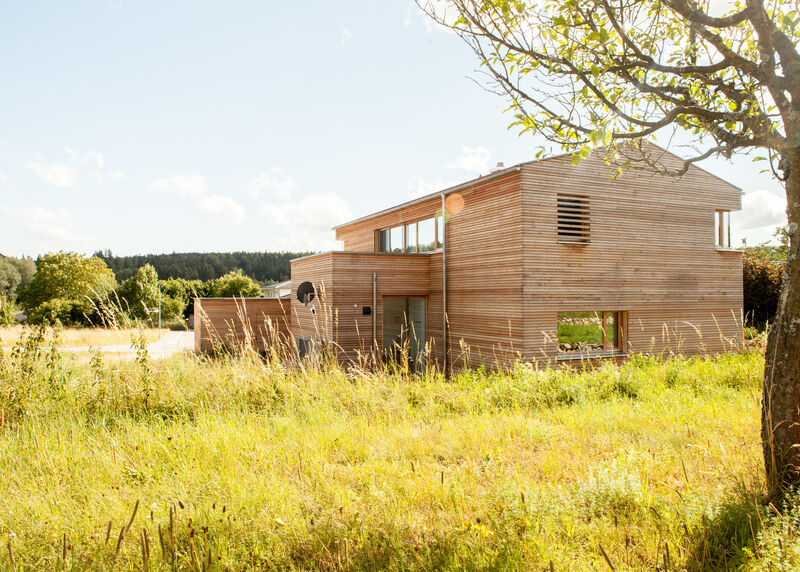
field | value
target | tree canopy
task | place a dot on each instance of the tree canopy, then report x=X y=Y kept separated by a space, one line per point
x=264 y=267
x=612 y=75
x=236 y=284
x=67 y=276
x=598 y=73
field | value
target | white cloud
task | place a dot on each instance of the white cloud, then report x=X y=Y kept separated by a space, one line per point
x=345 y=37
x=306 y=224
x=476 y=160
x=55 y=174
x=421 y=187
x=78 y=158
x=222 y=208
x=760 y=209
x=51 y=228
x=280 y=183
x=193 y=186
x=3 y=179
x=183 y=186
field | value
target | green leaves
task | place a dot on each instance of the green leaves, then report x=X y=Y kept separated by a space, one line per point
x=600 y=137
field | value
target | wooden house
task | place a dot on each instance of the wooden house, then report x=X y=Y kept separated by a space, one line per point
x=543 y=261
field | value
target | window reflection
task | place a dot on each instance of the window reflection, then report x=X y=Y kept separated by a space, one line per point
x=426 y=235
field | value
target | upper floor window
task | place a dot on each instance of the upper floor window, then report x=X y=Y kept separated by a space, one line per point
x=424 y=235
x=390 y=239
x=722 y=228
x=573 y=219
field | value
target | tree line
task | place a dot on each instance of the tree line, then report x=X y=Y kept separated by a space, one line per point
x=77 y=290
x=264 y=267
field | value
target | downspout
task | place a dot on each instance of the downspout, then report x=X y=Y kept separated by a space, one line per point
x=444 y=290
x=375 y=315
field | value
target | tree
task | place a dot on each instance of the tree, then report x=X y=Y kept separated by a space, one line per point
x=9 y=279
x=139 y=293
x=26 y=268
x=67 y=276
x=236 y=284
x=612 y=75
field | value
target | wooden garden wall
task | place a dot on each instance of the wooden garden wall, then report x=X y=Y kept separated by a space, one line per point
x=234 y=322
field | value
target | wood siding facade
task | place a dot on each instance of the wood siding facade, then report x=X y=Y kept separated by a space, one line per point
x=236 y=322
x=650 y=253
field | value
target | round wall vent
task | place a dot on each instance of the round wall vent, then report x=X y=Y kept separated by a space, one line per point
x=306 y=292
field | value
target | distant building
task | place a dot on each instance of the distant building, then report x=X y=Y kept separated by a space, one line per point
x=277 y=290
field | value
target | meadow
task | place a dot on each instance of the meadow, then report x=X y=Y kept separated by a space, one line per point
x=77 y=337
x=236 y=462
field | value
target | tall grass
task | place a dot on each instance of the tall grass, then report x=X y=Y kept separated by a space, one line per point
x=238 y=462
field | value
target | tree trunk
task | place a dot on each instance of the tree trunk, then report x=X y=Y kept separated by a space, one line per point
x=780 y=412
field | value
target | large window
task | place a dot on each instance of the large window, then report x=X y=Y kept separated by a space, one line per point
x=722 y=228
x=424 y=235
x=590 y=332
x=390 y=239
x=411 y=237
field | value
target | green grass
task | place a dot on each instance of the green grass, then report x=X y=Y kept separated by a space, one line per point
x=270 y=467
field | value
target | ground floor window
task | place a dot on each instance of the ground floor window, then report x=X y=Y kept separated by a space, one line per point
x=590 y=332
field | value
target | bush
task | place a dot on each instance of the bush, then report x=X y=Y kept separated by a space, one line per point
x=762 y=287
x=236 y=284
x=65 y=312
x=6 y=312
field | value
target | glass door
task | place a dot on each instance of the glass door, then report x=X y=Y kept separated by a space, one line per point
x=404 y=329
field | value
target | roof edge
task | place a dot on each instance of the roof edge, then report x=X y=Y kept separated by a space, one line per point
x=428 y=197
x=515 y=168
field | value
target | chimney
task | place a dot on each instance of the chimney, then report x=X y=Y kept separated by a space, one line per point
x=500 y=167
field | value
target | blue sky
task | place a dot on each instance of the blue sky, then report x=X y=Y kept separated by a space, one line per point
x=147 y=127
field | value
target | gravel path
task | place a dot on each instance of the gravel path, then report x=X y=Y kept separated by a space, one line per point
x=170 y=344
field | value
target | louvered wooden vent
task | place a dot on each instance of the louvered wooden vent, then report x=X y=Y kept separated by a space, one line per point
x=573 y=219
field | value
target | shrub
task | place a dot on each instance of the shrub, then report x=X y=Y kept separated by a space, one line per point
x=140 y=293
x=6 y=312
x=762 y=287
x=236 y=284
x=65 y=312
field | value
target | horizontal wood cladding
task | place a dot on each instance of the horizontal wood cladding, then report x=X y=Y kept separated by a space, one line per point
x=238 y=322
x=345 y=283
x=651 y=252
x=485 y=273
x=360 y=237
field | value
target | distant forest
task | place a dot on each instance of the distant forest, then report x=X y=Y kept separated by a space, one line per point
x=264 y=267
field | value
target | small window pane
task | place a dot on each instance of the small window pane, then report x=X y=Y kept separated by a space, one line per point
x=612 y=330
x=427 y=235
x=439 y=231
x=580 y=331
x=411 y=237
x=722 y=228
x=383 y=241
x=396 y=240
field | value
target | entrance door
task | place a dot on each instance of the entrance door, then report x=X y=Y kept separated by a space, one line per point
x=404 y=329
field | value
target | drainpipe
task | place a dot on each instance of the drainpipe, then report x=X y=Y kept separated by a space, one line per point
x=375 y=314
x=444 y=290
